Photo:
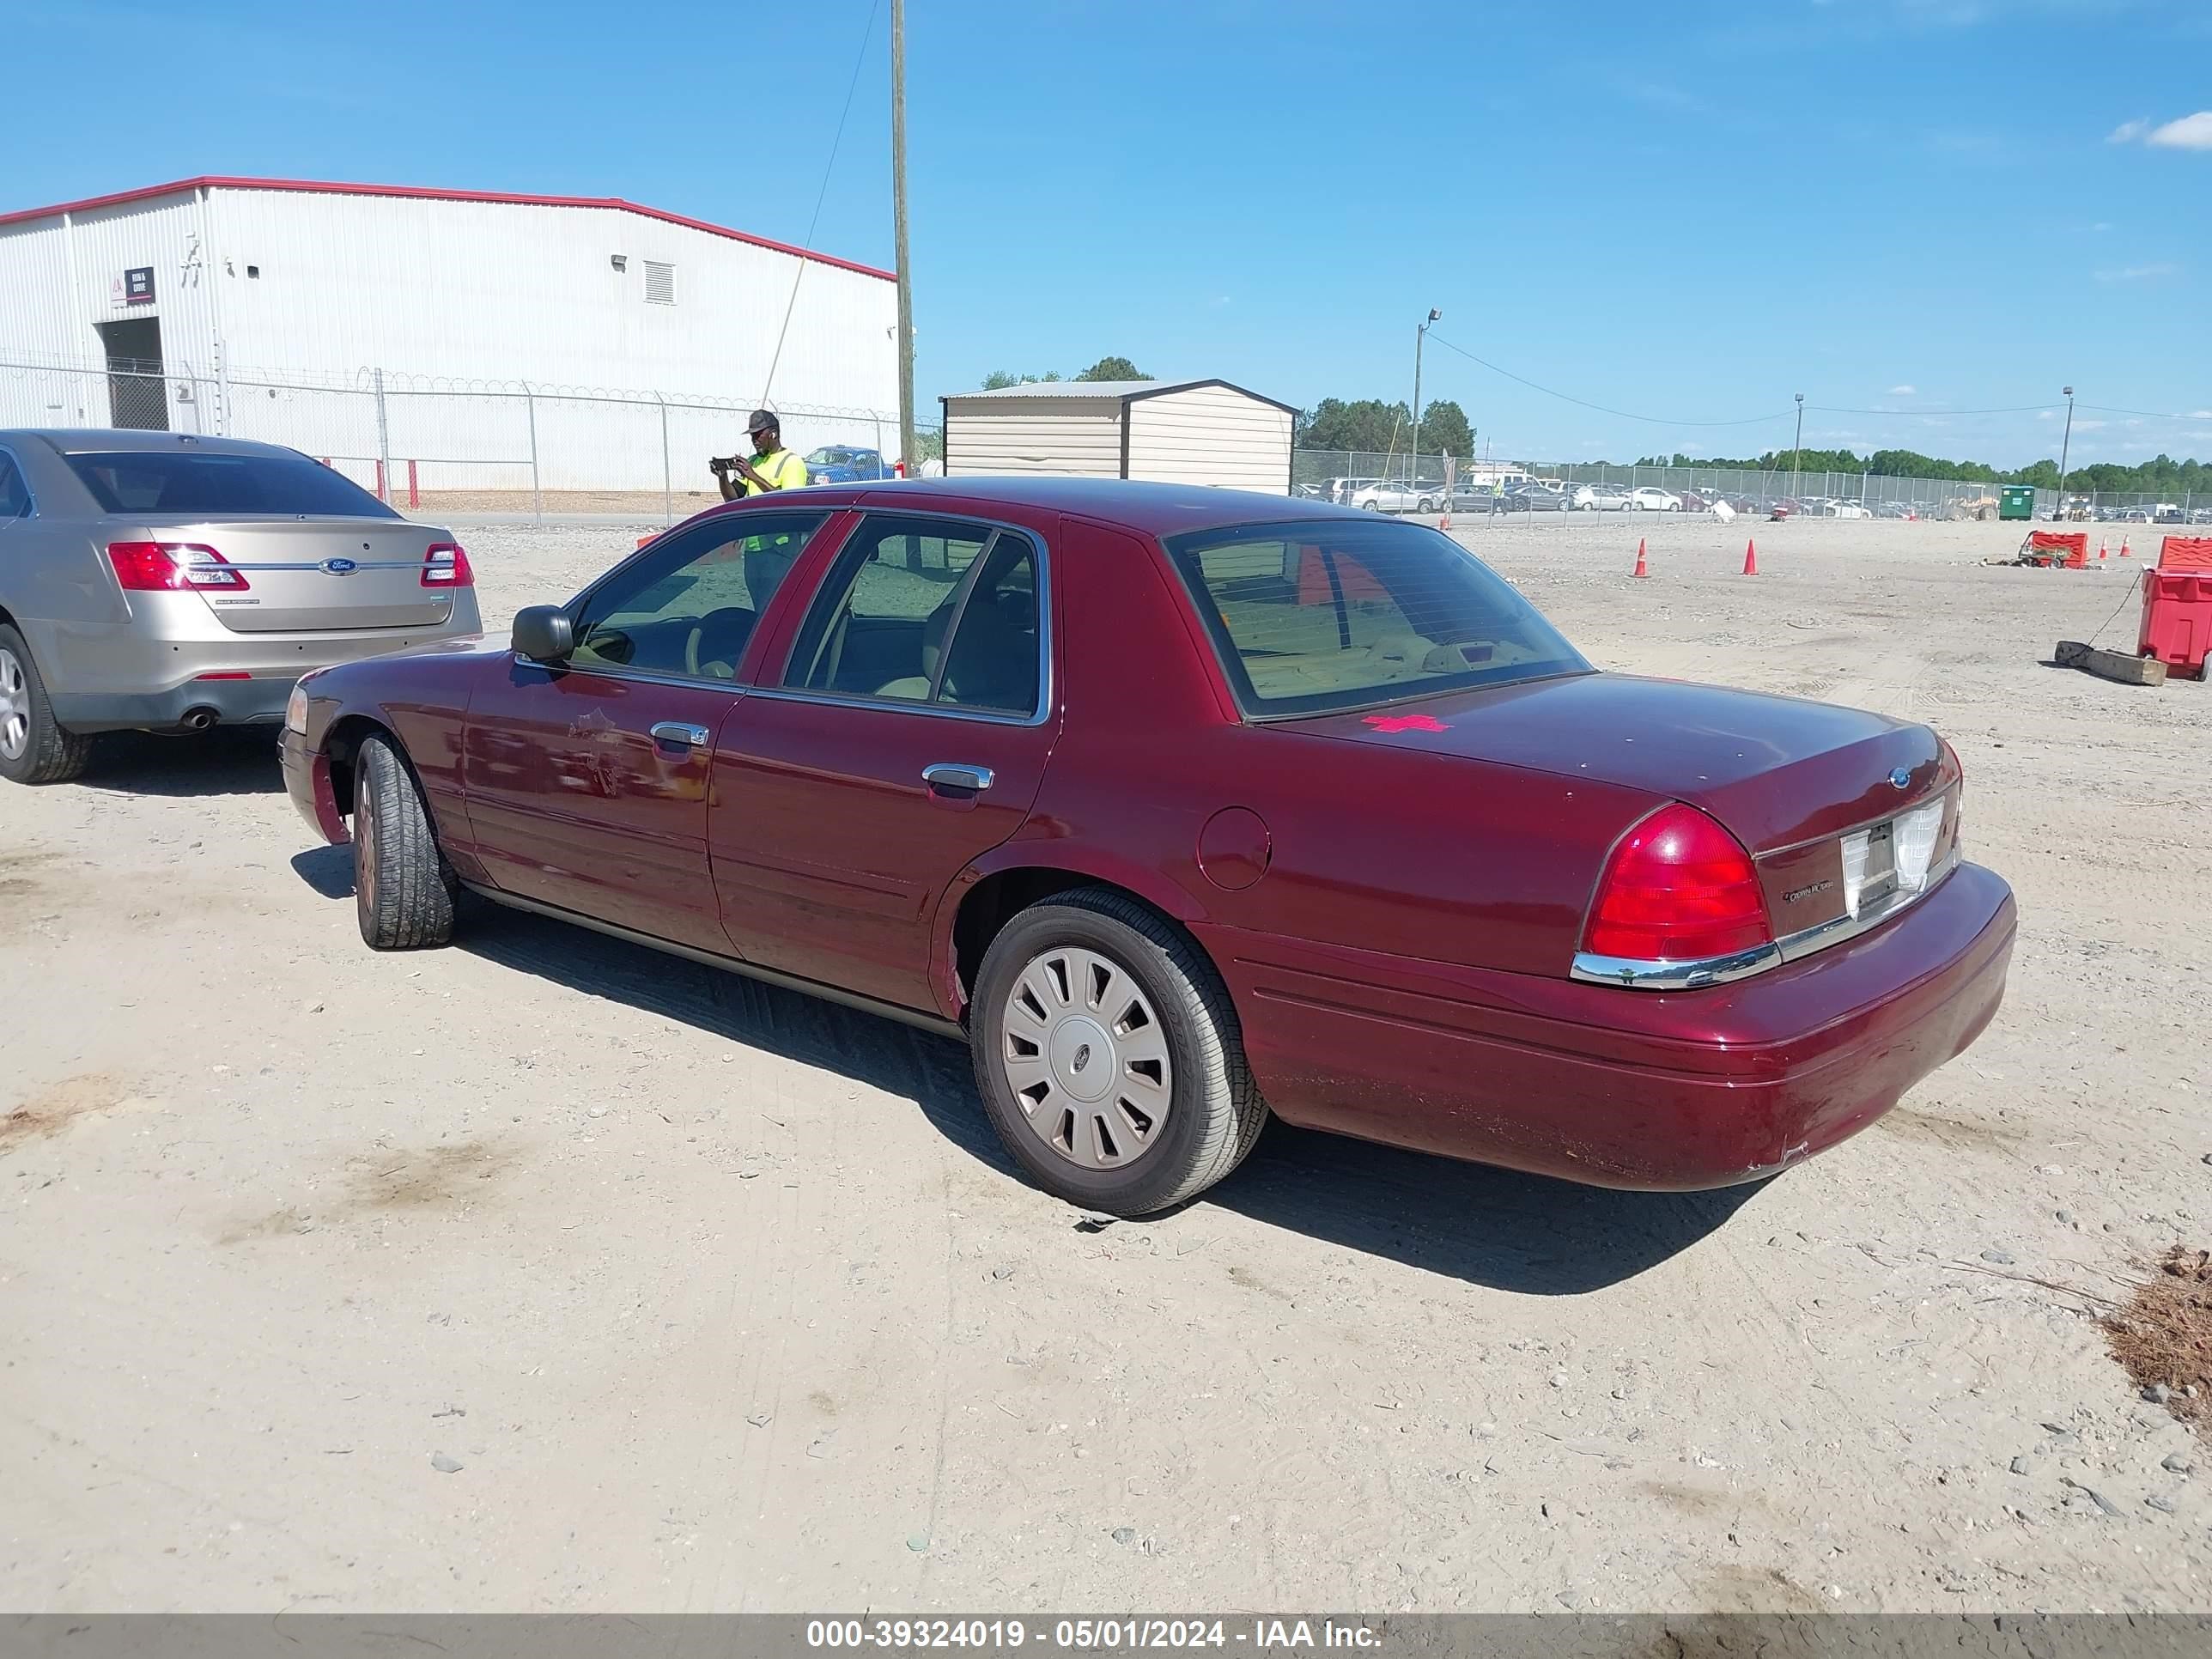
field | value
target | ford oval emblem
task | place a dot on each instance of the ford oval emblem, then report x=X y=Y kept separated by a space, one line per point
x=346 y=567
x=1900 y=778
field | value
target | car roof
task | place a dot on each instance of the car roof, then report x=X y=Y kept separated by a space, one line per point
x=80 y=440
x=1158 y=509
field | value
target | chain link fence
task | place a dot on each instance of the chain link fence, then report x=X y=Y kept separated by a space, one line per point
x=420 y=440
x=515 y=444
x=1343 y=475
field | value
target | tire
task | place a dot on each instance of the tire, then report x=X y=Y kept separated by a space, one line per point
x=33 y=748
x=1372 y=506
x=404 y=889
x=1205 y=1112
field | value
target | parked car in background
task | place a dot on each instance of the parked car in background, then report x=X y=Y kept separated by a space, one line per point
x=1840 y=509
x=2200 y=515
x=1471 y=498
x=1597 y=498
x=2136 y=516
x=1648 y=500
x=839 y=463
x=1342 y=490
x=1540 y=498
x=2167 y=512
x=169 y=582
x=1389 y=496
x=891 y=745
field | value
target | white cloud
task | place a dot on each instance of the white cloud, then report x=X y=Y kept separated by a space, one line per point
x=2190 y=132
x=2091 y=426
x=1903 y=392
x=2046 y=415
x=2139 y=273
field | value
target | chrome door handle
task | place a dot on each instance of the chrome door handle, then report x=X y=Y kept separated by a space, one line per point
x=681 y=732
x=976 y=779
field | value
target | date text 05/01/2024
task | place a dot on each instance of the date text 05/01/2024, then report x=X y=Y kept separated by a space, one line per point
x=1093 y=1635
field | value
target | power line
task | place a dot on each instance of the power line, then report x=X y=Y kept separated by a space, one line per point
x=820 y=196
x=1581 y=403
x=1937 y=414
x=2150 y=415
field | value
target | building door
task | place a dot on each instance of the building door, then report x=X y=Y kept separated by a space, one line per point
x=138 y=395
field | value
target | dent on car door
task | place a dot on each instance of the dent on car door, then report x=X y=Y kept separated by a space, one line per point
x=904 y=737
x=588 y=779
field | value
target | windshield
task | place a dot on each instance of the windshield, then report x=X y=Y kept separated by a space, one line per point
x=177 y=481
x=832 y=457
x=1310 y=617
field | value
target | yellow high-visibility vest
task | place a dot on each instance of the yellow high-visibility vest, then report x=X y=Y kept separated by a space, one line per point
x=784 y=470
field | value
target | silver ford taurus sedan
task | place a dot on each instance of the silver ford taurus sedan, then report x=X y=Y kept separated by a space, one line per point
x=165 y=582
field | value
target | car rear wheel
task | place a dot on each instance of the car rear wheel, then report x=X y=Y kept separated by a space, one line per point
x=1108 y=1056
x=404 y=889
x=33 y=748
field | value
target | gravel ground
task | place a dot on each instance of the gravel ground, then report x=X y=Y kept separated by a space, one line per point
x=546 y=1272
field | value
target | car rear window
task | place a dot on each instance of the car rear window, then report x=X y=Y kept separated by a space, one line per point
x=1310 y=617
x=166 y=480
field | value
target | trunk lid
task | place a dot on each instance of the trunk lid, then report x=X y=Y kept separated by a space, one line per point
x=1777 y=772
x=304 y=575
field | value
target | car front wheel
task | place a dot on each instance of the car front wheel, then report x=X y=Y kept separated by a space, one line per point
x=33 y=748
x=404 y=889
x=1108 y=1056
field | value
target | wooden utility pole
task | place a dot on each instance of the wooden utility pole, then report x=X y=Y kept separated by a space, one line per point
x=908 y=453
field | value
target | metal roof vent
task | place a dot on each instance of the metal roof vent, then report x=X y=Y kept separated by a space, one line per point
x=659 y=283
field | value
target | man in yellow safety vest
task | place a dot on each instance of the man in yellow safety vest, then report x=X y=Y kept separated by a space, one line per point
x=772 y=467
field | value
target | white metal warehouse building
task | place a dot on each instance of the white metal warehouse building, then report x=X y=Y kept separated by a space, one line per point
x=1201 y=432
x=499 y=342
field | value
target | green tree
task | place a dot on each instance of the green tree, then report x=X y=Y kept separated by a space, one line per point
x=1368 y=424
x=1444 y=430
x=1112 y=368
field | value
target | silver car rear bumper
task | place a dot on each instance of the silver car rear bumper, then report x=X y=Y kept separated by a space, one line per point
x=192 y=707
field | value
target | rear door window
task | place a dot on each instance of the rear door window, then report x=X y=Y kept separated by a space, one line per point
x=15 y=493
x=167 y=482
x=926 y=610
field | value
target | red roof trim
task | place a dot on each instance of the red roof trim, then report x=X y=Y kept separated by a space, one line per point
x=615 y=202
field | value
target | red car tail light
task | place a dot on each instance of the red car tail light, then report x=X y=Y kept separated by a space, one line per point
x=445 y=565
x=171 y=567
x=1679 y=888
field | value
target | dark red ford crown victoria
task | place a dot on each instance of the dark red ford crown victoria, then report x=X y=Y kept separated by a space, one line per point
x=1184 y=807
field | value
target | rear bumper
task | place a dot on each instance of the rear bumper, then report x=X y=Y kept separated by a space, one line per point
x=257 y=701
x=1618 y=1088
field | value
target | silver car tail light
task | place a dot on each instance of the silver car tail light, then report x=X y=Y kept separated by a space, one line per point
x=172 y=567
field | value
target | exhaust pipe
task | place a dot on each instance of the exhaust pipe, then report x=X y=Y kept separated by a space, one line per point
x=199 y=720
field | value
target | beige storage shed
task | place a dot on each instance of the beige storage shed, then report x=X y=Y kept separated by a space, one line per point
x=1200 y=432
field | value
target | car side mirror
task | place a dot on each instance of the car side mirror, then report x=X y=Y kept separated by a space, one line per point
x=544 y=632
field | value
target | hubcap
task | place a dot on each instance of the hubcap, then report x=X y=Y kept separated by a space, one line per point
x=1086 y=1058
x=14 y=708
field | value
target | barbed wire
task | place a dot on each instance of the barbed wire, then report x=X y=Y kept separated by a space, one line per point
x=362 y=382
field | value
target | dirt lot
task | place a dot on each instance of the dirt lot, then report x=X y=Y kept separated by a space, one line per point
x=547 y=1273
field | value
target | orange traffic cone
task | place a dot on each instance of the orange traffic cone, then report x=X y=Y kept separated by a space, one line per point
x=2123 y=547
x=1641 y=568
x=1750 y=559
x=1446 y=525
x=2100 y=547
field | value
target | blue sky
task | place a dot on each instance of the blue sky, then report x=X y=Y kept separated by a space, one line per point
x=1689 y=210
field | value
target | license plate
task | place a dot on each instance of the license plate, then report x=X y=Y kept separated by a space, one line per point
x=1869 y=867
